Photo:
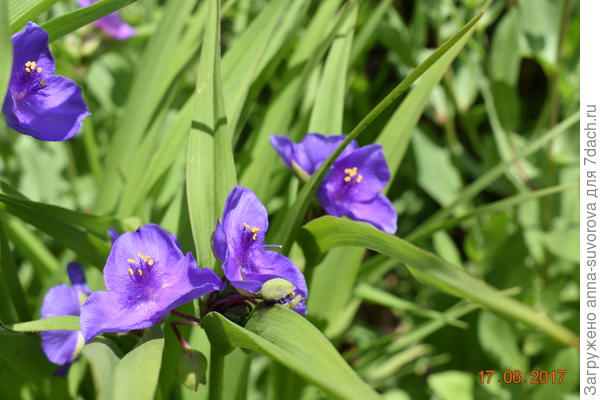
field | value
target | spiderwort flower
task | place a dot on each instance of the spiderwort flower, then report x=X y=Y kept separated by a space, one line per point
x=238 y=242
x=38 y=103
x=147 y=276
x=310 y=153
x=112 y=24
x=63 y=347
x=352 y=188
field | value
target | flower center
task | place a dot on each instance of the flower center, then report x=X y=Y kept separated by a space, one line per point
x=252 y=231
x=352 y=175
x=138 y=267
x=28 y=81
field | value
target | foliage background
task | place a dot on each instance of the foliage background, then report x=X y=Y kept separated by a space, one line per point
x=292 y=67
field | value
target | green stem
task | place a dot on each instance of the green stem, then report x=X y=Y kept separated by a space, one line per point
x=215 y=383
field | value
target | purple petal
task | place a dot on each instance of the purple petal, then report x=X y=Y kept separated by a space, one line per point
x=31 y=44
x=113 y=235
x=59 y=301
x=184 y=283
x=77 y=278
x=312 y=151
x=149 y=240
x=111 y=24
x=285 y=148
x=243 y=207
x=219 y=242
x=370 y=175
x=60 y=346
x=53 y=113
x=105 y=312
x=379 y=211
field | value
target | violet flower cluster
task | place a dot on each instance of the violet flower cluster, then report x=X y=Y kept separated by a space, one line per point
x=352 y=187
x=63 y=347
x=112 y=24
x=39 y=103
x=239 y=243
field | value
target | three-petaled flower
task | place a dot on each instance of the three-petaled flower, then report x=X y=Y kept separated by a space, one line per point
x=63 y=347
x=352 y=187
x=147 y=276
x=239 y=243
x=111 y=24
x=38 y=103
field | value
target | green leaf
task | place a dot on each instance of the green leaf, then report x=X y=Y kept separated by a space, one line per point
x=329 y=232
x=504 y=59
x=436 y=174
x=291 y=340
x=9 y=274
x=328 y=111
x=66 y=323
x=296 y=213
x=499 y=338
x=210 y=170
x=22 y=11
x=451 y=385
x=6 y=48
x=491 y=175
x=103 y=361
x=136 y=374
x=163 y=57
x=60 y=26
x=24 y=354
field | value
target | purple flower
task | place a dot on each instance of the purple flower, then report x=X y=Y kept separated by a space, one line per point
x=112 y=24
x=38 y=103
x=352 y=188
x=238 y=242
x=63 y=347
x=147 y=276
x=310 y=153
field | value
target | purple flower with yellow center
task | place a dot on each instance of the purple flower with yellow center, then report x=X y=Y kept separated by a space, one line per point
x=311 y=152
x=112 y=24
x=38 y=103
x=63 y=347
x=239 y=243
x=353 y=184
x=147 y=276
x=352 y=188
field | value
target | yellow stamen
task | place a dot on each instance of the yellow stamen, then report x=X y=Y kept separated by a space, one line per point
x=27 y=69
x=43 y=82
x=146 y=258
x=246 y=225
x=28 y=63
x=130 y=271
x=39 y=70
x=255 y=229
x=151 y=262
x=359 y=178
x=254 y=236
x=131 y=260
x=140 y=272
x=140 y=255
x=347 y=179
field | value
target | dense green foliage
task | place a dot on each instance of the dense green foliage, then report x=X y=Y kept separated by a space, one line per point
x=476 y=107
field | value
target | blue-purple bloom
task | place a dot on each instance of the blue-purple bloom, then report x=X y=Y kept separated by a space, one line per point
x=38 y=103
x=63 y=347
x=147 y=276
x=310 y=153
x=352 y=187
x=239 y=243
x=112 y=24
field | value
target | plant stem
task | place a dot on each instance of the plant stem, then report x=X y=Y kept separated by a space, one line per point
x=215 y=383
